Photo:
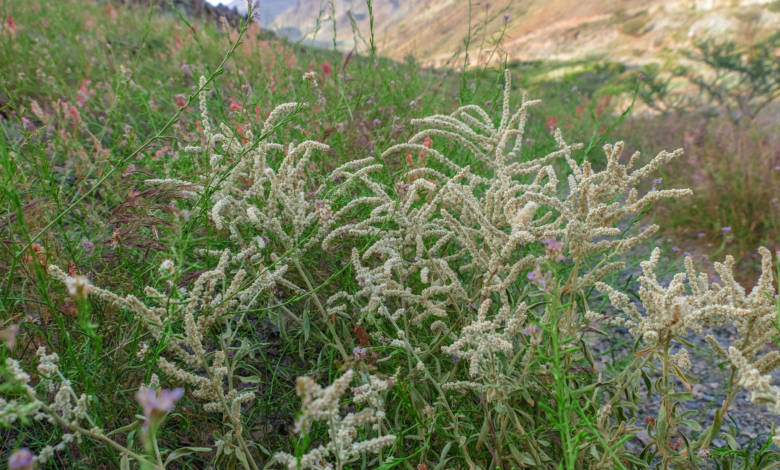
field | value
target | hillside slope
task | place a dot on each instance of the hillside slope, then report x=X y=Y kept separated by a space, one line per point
x=626 y=30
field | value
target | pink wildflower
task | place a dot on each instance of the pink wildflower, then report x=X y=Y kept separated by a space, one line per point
x=36 y=109
x=11 y=26
x=8 y=336
x=75 y=115
x=84 y=93
x=326 y=68
x=552 y=123
x=235 y=105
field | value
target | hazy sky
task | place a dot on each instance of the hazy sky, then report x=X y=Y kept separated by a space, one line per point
x=269 y=9
x=227 y=2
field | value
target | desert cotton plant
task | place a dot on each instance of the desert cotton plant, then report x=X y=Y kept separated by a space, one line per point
x=468 y=283
x=460 y=266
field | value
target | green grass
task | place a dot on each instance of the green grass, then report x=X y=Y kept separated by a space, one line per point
x=97 y=98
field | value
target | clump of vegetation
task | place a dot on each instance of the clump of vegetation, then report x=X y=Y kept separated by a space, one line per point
x=443 y=284
x=740 y=80
x=731 y=150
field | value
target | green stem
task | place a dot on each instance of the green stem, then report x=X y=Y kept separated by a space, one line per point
x=322 y=310
x=156 y=448
x=663 y=444
x=441 y=393
x=561 y=395
x=94 y=435
x=226 y=412
x=730 y=395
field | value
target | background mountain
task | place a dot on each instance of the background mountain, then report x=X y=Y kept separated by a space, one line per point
x=633 y=31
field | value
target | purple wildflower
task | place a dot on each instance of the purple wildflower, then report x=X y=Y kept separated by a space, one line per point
x=726 y=229
x=21 y=459
x=541 y=280
x=554 y=248
x=402 y=189
x=700 y=234
x=359 y=353
x=28 y=124
x=534 y=333
x=506 y=17
x=87 y=245
x=157 y=404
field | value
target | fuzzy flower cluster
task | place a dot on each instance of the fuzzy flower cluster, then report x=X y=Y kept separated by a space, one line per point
x=256 y=200
x=212 y=296
x=66 y=409
x=344 y=430
x=462 y=234
x=255 y=197
x=483 y=339
x=692 y=301
x=268 y=189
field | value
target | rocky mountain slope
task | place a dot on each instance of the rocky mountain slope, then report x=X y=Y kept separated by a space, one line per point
x=633 y=31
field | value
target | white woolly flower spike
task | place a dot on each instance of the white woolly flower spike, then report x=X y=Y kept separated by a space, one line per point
x=344 y=430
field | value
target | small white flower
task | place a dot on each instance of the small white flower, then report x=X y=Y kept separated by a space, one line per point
x=141 y=354
x=78 y=287
x=167 y=266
